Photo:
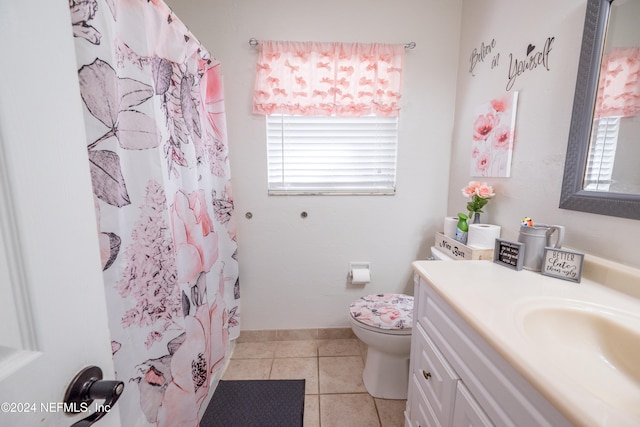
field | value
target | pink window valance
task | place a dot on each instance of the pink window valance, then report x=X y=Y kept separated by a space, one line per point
x=619 y=85
x=323 y=79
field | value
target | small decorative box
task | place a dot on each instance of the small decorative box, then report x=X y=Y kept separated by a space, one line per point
x=459 y=251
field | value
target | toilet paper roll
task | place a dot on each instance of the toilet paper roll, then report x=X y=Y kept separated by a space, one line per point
x=450 y=224
x=360 y=276
x=483 y=236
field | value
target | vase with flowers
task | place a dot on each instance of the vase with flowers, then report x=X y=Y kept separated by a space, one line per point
x=480 y=193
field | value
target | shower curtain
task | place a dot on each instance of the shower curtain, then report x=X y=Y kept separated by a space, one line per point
x=157 y=149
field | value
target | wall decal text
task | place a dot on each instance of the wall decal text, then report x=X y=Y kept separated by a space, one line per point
x=534 y=59
x=480 y=54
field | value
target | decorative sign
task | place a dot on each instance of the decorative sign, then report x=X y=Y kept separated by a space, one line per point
x=510 y=254
x=563 y=264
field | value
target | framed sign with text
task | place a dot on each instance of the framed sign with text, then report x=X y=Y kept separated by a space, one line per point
x=508 y=253
x=563 y=264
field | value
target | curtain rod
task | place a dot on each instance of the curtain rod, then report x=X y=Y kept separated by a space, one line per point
x=253 y=42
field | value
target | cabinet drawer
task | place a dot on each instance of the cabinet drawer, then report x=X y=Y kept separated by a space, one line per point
x=435 y=377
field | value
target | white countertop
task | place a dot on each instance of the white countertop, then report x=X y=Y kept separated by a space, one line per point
x=492 y=299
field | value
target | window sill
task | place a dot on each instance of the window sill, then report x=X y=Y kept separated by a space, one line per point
x=331 y=193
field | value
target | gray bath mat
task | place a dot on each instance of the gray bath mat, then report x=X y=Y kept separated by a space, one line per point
x=256 y=403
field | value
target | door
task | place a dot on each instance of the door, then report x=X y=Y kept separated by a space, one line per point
x=54 y=320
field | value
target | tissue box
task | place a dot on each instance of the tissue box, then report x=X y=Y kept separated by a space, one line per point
x=458 y=251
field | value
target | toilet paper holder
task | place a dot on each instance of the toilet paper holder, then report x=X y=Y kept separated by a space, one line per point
x=359 y=265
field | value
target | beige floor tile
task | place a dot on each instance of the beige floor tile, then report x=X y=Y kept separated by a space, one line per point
x=297 y=334
x=255 y=336
x=391 y=412
x=248 y=369
x=335 y=333
x=292 y=368
x=341 y=374
x=311 y=410
x=301 y=348
x=254 y=350
x=348 y=410
x=340 y=347
x=329 y=364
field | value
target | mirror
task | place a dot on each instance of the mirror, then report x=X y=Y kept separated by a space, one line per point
x=601 y=173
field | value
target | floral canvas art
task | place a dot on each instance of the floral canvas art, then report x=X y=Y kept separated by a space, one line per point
x=493 y=135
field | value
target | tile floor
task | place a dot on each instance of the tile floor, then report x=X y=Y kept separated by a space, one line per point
x=335 y=395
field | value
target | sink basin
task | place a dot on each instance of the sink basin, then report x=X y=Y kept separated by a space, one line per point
x=597 y=349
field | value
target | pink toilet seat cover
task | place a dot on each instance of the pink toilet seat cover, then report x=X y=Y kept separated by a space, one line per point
x=384 y=311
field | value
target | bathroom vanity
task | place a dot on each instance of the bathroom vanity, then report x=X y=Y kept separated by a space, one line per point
x=495 y=346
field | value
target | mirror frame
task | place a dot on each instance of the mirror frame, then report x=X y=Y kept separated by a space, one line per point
x=573 y=197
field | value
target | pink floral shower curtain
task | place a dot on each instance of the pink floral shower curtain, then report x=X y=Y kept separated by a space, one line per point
x=157 y=150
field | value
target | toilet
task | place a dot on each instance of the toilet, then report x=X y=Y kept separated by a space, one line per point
x=383 y=322
x=438 y=255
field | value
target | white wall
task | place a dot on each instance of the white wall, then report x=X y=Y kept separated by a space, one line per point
x=293 y=271
x=543 y=119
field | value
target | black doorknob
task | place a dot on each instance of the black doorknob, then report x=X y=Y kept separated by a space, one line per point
x=88 y=386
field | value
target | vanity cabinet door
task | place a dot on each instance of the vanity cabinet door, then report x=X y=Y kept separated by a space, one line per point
x=467 y=412
x=420 y=413
x=434 y=376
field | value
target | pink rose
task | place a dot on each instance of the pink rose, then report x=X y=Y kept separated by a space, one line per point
x=190 y=373
x=196 y=242
x=470 y=189
x=485 y=191
x=476 y=188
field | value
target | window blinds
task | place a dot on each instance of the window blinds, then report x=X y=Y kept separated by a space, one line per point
x=602 y=152
x=317 y=155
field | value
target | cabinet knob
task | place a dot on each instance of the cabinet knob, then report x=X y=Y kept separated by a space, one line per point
x=426 y=375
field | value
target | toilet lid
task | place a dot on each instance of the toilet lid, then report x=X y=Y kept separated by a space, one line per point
x=384 y=311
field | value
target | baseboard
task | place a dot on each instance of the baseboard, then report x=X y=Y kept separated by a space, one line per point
x=294 y=334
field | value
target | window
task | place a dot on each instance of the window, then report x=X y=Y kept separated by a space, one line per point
x=602 y=152
x=331 y=155
x=332 y=115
